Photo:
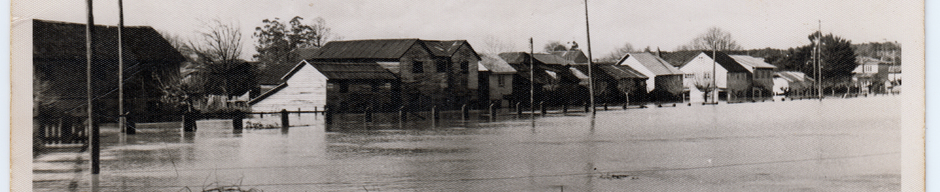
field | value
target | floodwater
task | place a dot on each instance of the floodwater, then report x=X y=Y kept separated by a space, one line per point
x=805 y=145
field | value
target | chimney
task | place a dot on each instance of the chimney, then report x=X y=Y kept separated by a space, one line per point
x=658 y=52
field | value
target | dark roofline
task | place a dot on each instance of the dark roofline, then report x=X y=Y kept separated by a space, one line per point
x=268 y=93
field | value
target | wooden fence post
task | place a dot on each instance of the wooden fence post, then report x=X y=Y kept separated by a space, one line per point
x=519 y=109
x=237 y=122
x=285 y=122
x=542 y=108
x=433 y=112
x=189 y=122
x=464 y=112
x=402 y=116
x=492 y=111
x=368 y=114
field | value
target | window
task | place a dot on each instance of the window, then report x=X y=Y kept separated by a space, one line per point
x=417 y=67
x=343 y=87
x=689 y=75
x=441 y=66
x=502 y=80
x=706 y=75
x=464 y=67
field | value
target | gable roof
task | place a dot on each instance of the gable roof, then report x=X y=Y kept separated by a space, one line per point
x=443 y=48
x=722 y=59
x=574 y=55
x=655 y=64
x=622 y=72
x=365 y=49
x=272 y=73
x=61 y=40
x=551 y=59
x=350 y=71
x=751 y=62
x=495 y=64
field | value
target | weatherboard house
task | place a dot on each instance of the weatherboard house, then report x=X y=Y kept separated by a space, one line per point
x=729 y=75
x=430 y=73
x=495 y=80
x=665 y=80
x=59 y=66
x=338 y=86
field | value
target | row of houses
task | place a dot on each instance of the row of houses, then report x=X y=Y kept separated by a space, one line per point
x=385 y=74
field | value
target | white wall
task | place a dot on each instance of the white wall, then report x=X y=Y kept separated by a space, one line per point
x=636 y=65
x=305 y=90
x=703 y=64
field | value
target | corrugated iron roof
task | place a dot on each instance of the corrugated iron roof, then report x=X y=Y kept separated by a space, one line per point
x=443 y=48
x=495 y=64
x=353 y=70
x=655 y=64
x=61 y=40
x=751 y=62
x=365 y=49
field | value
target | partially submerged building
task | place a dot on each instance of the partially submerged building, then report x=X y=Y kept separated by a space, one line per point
x=151 y=66
x=338 y=86
x=665 y=81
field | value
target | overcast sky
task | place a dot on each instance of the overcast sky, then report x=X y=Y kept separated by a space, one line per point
x=664 y=24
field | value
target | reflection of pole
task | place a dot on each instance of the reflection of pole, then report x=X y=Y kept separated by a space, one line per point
x=93 y=137
x=590 y=75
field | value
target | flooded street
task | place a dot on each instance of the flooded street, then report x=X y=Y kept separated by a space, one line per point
x=805 y=145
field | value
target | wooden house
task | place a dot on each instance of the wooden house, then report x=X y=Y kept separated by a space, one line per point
x=761 y=74
x=791 y=83
x=730 y=76
x=441 y=73
x=616 y=83
x=875 y=75
x=495 y=80
x=59 y=67
x=665 y=81
x=552 y=77
x=339 y=86
x=574 y=55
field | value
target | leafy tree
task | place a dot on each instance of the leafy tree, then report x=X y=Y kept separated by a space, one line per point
x=278 y=40
x=837 y=57
x=555 y=46
x=714 y=38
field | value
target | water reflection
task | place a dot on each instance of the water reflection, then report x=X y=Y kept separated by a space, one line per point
x=690 y=148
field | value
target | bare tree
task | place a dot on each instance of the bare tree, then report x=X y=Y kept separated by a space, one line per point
x=218 y=47
x=493 y=45
x=618 y=53
x=320 y=33
x=714 y=38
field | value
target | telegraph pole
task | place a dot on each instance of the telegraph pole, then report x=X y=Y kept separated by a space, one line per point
x=93 y=140
x=532 y=77
x=714 y=73
x=819 y=66
x=587 y=25
x=121 y=118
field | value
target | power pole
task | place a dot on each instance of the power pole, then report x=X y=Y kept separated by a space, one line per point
x=587 y=25
x=714 y=73
x=121 y=118
x=93 y=140
x=819 y=66
x=532 y=77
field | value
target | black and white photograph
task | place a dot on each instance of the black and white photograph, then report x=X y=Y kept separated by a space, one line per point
x=467 y=95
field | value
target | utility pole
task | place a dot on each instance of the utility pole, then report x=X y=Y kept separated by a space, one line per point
x=587 y=25
x=714 y=75
x=819 y=66
x=93 y=140
x=121 y=118
x=532 y=77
